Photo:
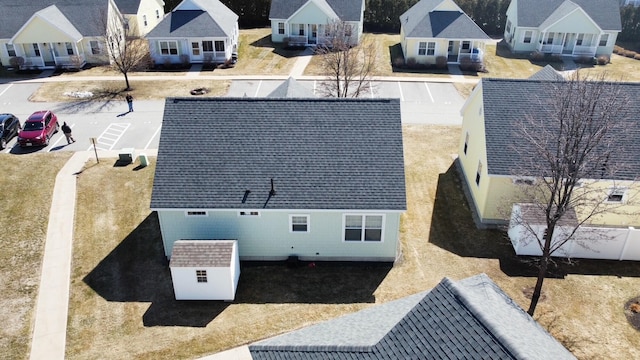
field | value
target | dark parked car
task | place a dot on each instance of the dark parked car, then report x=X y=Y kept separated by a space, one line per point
x=9 y=127
x=38 y=129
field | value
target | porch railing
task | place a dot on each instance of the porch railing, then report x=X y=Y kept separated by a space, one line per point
x=33 y=61
x=549 y=48
x=584 y=50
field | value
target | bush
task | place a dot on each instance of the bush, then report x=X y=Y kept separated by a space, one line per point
x=166 y=62
x=536 y=56
x=412 y=62
x=603 y=60
x=629 y=53
x=554 y=57
x=16 y=62
x=637 y=57
x=184 y=60
x=441 y=62
x=467 y=64
x=584 y=60
x=617 y=49
x=398 y=62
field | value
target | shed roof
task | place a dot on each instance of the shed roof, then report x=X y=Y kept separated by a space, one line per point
x=342 y=154
x=467 y=319
x=202 y=253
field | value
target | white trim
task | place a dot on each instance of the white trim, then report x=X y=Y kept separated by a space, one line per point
x=306 y=216
x=363 y=228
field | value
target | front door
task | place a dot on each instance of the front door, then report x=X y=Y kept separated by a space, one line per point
x=196 y=51
x=314 y=34
x=452 y=51
x=569 y=41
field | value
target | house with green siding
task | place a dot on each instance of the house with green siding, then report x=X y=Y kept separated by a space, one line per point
x=319 y=179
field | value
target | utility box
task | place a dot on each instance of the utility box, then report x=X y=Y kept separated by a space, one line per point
x=144 y=160
x=125 y=156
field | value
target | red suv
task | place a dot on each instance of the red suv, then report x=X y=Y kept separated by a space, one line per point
x=38 y=129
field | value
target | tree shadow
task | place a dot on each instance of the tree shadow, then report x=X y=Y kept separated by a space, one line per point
x=137 y=271
x=102 y=100
x=453 y=229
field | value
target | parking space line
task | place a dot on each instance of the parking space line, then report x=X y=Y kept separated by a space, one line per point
x=258 y=88
x=5 y=90
x=401 y=95
x=429 y=91
x=115 y=129
x=152 y=137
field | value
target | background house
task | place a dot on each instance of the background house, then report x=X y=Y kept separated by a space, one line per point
x=196 y=31
x=466 y=319
x=322 y=179
x=305 y=22
x=573 y=28
x=48 y=34
x=439 y=28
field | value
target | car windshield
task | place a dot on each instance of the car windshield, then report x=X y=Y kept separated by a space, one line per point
x=29 y=125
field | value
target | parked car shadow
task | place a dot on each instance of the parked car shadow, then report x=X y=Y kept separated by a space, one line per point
x=137 y=271
x=453 y=229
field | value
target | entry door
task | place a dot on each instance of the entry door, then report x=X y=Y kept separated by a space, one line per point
x=196 y=51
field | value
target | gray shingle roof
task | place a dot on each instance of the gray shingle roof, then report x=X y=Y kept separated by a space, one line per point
x=347 y=10
x=202 y=253
x=468 y=319
x=507 y=101
x=128 y=6
x=321 y=154
x=547 y=73
x=81 y=13
x=606 y=13
x=420 y=21
x=291 y=89
x=213 y=20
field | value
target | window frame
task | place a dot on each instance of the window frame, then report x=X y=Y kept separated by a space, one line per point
x=144 y=20
x=217 y=48
x=281 y=28
x=431 y=48
x=307 y=223
x=9 y=51
x=97 y=49
x=168 y=47
x=69 y=47
x=422 y=50
x=525 y=39
x=300 y=29
x=157 y=14
x=201 y=276
x=207 y=46
x=479 y=173
x=508 y=27
x=606 y=40
x=466 y=143
x=195 y=48
x=579 y=39
x=36 y=49
x=616 y=192
x=196 y=213
x=363 y=227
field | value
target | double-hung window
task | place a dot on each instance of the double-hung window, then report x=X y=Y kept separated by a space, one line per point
x=281 y=28
x=299 y=223
x=431 y=48
x=604 y=39
x=422 y=48
x=11 y=51
x=69 y=47
x=363 y=228
x=616 y=195
x=201 y=276
x=95 y=47
x=527 y=37
x=219 y=45
x=207 y=46
x=168 y=47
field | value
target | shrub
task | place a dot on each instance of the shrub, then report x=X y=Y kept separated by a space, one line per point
x=207 y=61
x=637 y=57
x=398 y=62
x=584 y=60
x=184 y=60
x=76 y=62
x=617 y=49
x=412 y=62
x=603 y=60
x=629 y=53
x=536 y=56
x=555 y=57
x=16 y=62
x=467 y=64
x=441 y=62
x=166 y=62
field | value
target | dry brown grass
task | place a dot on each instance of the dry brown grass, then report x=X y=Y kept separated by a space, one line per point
x=122 y=301
x=27 y=187
x=112 y=90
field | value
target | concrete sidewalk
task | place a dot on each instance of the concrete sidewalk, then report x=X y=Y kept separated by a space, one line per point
x=52 y=307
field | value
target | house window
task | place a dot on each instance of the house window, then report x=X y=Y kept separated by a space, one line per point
x=298 y=223
x=11 y=51
x=466 y=143
x=478 y=173
x=95 y=47
x=616 y=195
x=126 y=24
x=604 y=39
x=422 y=48
x=431 y=48
x=579 y=39
x=301 y=29
x=219 y=45
x=347 y=30
x=363 y=228
x=281 y=28
x=249 y=213
x=69 y=48
x=508 y=26
x=195 y=48
x=196 y=213
x=36 y=49
x=168 y=47
x=466 y=45
x=157 y=14
x=549 y=39
x=527 y=36
x=201 y=275
x=207 y=46
x=144 y=20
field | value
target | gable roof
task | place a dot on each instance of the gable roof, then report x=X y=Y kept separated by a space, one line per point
x=533 y=13
x=507 y=101
x=291 y=89
x=547 y=73
x=422 y=21
x=213 y=19
x=202 y=253
x=343 y=154
x=15 y=13
x=346 y=10
x=467 y=319
x=128 y=6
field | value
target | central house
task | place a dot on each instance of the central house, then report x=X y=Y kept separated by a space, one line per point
x=318 y=179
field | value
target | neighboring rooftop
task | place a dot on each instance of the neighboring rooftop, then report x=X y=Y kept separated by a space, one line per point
x=423 y=20
x=346 y=10
x=291 y=89
x=467 y=319
x=343 y=154
x=547 y=73
x=209 y=18
x=533 y=13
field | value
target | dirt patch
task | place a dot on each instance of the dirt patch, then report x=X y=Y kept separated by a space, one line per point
x=632 y=312
x=528 y=293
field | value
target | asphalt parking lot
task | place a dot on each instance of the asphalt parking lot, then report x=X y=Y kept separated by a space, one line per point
x=114 y=128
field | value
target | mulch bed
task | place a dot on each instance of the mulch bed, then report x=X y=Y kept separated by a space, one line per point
x=632 y=312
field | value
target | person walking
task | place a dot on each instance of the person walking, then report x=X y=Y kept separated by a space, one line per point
x=130 y=102
x=66 y=130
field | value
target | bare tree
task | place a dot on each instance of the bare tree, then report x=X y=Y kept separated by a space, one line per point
x=127 y=51
x=348 y=68
x=576 y=139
